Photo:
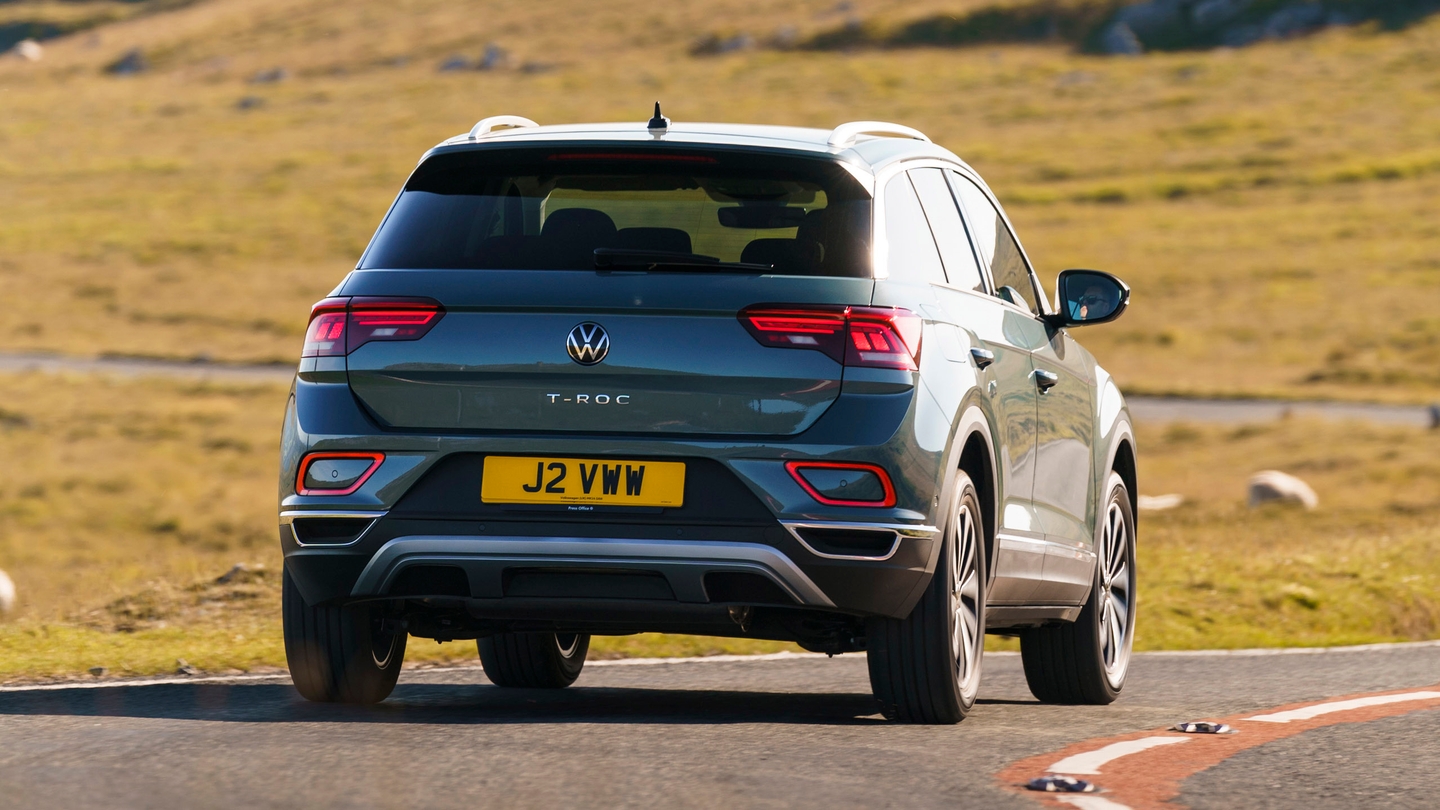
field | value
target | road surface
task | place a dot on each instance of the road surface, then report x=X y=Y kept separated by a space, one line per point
x=789 y=732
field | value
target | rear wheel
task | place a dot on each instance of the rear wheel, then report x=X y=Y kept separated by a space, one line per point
x=925 y=668
x=533 y=660
x=1087 y=661
x=340 y=654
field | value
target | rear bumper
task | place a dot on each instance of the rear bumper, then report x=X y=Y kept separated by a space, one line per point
x=743 y=513
x=467 y=560
x=683 y=564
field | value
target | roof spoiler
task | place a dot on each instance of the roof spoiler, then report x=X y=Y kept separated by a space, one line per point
x=844 y=135
x=494 y=122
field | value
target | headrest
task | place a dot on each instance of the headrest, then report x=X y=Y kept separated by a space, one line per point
x=586 y=225
x=787 y=256
x=672 y=240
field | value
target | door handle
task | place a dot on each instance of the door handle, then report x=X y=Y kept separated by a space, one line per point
x=1045 y=380
x=982 y=357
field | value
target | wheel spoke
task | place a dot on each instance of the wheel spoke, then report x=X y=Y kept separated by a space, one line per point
x=1117 y=636
x=965 y=595
x=1120 y=581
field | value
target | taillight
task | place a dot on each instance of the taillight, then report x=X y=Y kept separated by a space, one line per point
x=326 y=335
x=798 y=329
x=389 y=319
x=883 y=338
x=339 y=326
x=873 y=337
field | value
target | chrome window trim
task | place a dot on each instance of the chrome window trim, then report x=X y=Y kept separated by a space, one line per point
x=899 y=529
x=582 y=550
x=287 y=518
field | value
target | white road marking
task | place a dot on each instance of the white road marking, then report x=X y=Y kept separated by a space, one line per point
x=51 y=687
x=1092 y=803
x=704 y=659
x=1307 y=712
x=1266 y=651
x=1090 y=761
x=281 y=677
x=713 y=659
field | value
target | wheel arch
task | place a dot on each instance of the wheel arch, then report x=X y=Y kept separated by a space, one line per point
x=977 y=461
x=973 y=451
x=1123 y=463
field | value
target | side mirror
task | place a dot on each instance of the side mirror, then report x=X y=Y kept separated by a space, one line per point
x=1083 y=297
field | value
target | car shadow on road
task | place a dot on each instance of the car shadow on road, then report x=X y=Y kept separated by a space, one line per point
x=440 y=704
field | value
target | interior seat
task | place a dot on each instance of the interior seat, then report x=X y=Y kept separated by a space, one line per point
x=671 y=240
x=791 y=257
x=570 y=236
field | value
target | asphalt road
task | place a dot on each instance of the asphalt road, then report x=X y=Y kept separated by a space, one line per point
x=773 y=733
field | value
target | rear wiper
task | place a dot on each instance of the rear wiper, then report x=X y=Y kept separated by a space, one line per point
x=651 y=259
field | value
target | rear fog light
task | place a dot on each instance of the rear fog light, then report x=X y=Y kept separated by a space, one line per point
x=335 y=473
x=842 y=483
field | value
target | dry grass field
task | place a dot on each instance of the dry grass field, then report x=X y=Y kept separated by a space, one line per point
x=134 y=497
x=1274 y=208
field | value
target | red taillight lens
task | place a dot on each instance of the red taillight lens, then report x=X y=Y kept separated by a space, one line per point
x=883 y=338
x=389 y=319
x=326 y=335
x=339 y=326
x=874 y=337
x=820 y=330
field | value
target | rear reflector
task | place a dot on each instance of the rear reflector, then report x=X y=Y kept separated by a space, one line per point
x=836 y=483
x=339 y=326
x=335 y=473
x=873 y=337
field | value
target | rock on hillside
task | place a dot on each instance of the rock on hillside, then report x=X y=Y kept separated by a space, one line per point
x=1170 y=24
x=7 y=594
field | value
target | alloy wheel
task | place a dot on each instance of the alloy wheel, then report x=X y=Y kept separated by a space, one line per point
x=1117 y=597
x=966 y=636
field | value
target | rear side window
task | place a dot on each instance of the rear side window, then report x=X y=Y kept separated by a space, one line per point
x=542 y=209
x=996 y=246
x=955 y=252
x=912 y=255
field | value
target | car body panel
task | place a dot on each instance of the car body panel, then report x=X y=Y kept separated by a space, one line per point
x=479 y=384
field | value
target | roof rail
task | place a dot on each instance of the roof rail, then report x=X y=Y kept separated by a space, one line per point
x=494 y=122
x=844 y=135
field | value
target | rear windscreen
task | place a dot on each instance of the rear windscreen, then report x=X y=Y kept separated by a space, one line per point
x=550 y=210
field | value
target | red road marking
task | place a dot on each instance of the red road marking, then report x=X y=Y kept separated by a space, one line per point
x=1151 y=779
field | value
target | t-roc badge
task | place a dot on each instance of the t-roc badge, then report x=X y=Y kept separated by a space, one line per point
x=588 y=344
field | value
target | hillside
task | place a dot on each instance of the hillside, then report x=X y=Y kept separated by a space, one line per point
x=1274 y=207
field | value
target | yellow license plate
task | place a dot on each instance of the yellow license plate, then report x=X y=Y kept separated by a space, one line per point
x=583 y=481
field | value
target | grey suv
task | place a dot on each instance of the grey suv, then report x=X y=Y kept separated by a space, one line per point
x=745 y=381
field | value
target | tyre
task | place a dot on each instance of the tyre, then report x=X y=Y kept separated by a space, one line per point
x=1086 y=662
x=340 y=654
x=533 y=660
x=925 y=668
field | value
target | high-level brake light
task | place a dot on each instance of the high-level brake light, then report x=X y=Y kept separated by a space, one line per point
x=339 y=326
x=873 y=337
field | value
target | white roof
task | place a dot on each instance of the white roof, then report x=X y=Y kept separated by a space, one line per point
x=870 y=150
